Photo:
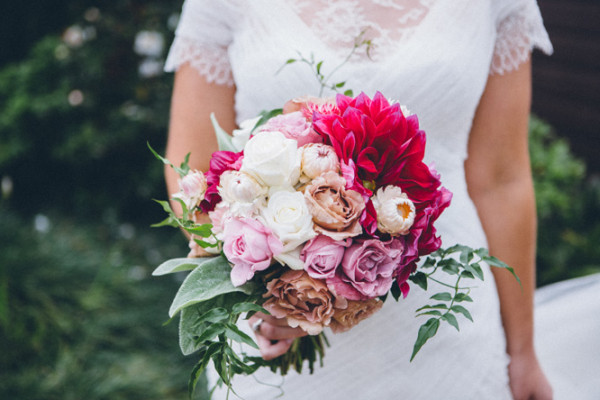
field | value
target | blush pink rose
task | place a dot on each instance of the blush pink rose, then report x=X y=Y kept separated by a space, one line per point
x=322 y=255
x=293 y=126
x=368 y=269
x=249 y=246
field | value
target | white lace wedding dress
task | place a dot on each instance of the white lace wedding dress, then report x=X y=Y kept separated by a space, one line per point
x=433 y=56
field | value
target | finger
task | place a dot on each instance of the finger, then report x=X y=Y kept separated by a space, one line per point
x=270 y=350
x=274 y=328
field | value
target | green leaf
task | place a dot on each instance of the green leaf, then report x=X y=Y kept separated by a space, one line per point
x=246 y=307
x=169 y=221
x=462 y=297
x=495 y=262
x=349 y=93
x=218 y=314
x=429 y=263
x=319 y=65
x=426 y=332
x=445 y=296
x=340 y=84
x=432 y=312
x=291 y=60
x=212 y=331
x=267 y=115
x=451 y=319
x=463 y=311
x=395 y=290
x=235 y=334
x=440 y=306
x=208 y=280
x=224 y=139
x=181 y=172
x=475 y=269
x=201 y=230
x=180 y=264
x=191 y=325
x=420 y=279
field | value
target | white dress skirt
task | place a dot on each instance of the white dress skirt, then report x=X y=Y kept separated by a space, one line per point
x=433 y=56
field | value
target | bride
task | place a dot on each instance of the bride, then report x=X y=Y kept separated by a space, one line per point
x=464 y=68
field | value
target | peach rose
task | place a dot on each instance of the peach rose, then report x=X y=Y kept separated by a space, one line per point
x=356 y=311
x=335 y=210
x=303 y=301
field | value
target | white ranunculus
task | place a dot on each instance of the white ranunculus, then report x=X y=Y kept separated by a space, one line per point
x=318 y=158
x=192 y=188
x=395 y=211
x=288 y=217
x=242 y=135
x=238 y=186
x=272 y=159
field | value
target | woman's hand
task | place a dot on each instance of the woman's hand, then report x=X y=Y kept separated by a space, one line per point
x=527 y=380
x=273 y=335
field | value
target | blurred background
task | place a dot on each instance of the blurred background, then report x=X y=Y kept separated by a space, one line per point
x=82 y=91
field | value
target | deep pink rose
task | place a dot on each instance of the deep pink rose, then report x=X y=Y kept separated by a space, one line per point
x=220 y=162
x=322 y=255
x=249 y=246
x=368 y=269
x=293 y=126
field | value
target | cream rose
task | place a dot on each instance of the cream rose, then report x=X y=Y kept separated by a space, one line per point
x=242 y=192
x=288 y=218
x=272 y=159
x=192 y=188
x=318 y=158
x=395 y=212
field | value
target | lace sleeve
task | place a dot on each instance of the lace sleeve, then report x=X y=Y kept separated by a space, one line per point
x=202 y=39
x=519 y=29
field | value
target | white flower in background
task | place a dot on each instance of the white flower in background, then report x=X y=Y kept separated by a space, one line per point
x=395 y=212
x=288 y=217
x=318 y=158
x=242 y=135
x=192 y=188
x=149 y=43
x=405 y=111
x=149 y=68
x=74 y=36
x=272 y=159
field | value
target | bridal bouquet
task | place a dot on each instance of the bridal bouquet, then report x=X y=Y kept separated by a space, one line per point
x=318 y=212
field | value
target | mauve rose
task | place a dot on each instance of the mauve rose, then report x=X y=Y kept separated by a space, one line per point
x=322 y=255
x=249 y=246
x=293 y=126
x=303 y=301
x=356 y=311
x=335 y=210
x=368 y=269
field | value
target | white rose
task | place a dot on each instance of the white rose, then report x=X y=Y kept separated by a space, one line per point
x=272 y=159
x=242 y=135
x=318 y=158
x=192 y=188
x=395 y=212
x=288 y=217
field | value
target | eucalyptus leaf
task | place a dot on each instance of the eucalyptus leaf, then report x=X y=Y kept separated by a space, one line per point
x=224 y=139
x=180 y=264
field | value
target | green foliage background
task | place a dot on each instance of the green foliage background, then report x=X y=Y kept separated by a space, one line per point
x=80 y=317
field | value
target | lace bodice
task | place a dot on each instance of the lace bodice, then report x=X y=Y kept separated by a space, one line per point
x=435 y=57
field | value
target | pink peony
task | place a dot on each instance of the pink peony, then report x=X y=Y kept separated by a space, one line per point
x=368 y=269
x=293 y=126
x=308 y=105
x=220 y=162
x=322 y=255
x=249 y=246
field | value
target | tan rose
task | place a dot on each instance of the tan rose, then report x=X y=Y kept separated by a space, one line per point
x=303 y=301
x=355 y=312
x=335 y=210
